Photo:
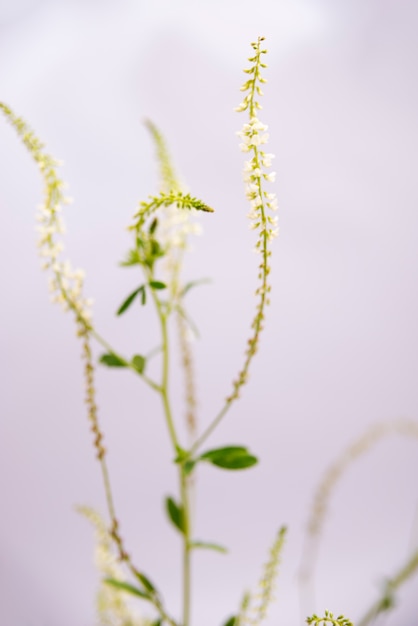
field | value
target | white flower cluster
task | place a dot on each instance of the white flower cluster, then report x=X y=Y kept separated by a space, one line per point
x=65 y=283
x=113 y=609
x=176 y=227
x=253 y=136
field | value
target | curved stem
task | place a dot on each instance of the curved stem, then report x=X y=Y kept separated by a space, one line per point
x=386 y=602
x=255 y=193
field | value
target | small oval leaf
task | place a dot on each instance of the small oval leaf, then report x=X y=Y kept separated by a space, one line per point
x=175 y=513
x=235 y=462
x=156 y=284
x=139 y=362
x=231 y=621
x=226 y=450
x=230 y=457
x=112 y=360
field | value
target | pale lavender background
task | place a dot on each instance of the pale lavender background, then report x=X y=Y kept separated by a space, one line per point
x=340 y=348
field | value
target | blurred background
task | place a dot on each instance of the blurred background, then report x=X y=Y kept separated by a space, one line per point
x=340 y=348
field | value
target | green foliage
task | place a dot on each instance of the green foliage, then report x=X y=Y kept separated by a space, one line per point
x=175 y=514
x=132 y=258
x=149 y=586
x=127 y=587
x=208 y=546
x=112 y=360
x=127 y=303
x=232 y=621
x=156 y=284
x=229 y=457
x=139 y=362
x=151 y=244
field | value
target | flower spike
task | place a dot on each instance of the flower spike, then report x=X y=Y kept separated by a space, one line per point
x=253 y=137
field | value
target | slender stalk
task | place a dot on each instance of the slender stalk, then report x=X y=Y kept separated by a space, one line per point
x=184 y=495
x=260 y=201
x=387 y=601
x=184 y=489
x=108 y=347
x=209 y=429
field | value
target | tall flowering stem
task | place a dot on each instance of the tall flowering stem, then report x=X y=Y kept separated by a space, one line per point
x=325 y=489
x=253 y=138
x=66 y=288
x=176 y=228
x=253 y=615
x=388 y=600
x=148 y=250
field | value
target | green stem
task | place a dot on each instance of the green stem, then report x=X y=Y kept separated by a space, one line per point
x=184 y=496
x=262 y=291
x=209 y=429
x=109 y=348
x=387 y=601
x=184 y=490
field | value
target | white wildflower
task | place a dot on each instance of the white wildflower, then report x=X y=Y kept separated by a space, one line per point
x=253 y=136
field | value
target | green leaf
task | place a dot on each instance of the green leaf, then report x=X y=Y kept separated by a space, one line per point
x=153 y=226
x=156 y=284
x=230 y=457
x=112 y=360
x=145 y=581
x=225 y=450
x=189 y=466
x=158 y=622
x=175 y=513
x=208 y=546
x=182 y=454
x=132 y=258
x=143 y=295
x=194 y=283
x=183 y=458
x=231 y=621
x=123 y=586
x=127 y=303
x=139 y=363
x=156 y=250
x=190 y=322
